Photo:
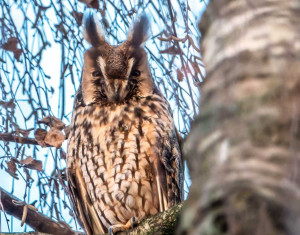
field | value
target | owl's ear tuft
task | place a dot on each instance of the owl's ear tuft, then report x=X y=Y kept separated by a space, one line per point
x=93 y=31
x=139 y=32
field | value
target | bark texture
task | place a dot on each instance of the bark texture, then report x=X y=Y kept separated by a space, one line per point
x=164 y=223
x=15 y=207
x=243 y=151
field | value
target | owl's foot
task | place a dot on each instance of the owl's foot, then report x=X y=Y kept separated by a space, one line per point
x=133 y=223
x=121 y=227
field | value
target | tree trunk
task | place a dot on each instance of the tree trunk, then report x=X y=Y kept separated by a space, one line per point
x=243 y=152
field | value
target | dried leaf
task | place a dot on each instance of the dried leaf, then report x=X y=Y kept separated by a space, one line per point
x=31 y=163
x=193 y=44
x=40 y=135
x=32 y=207
x=95 y=4
x=91 y=3
x=56 y=186
x=173 y=50
x=179 y=75
x=55 y=137
x=60 y=27
x=12 y=175
x=17 y=54
x=12 y=169
x=78 y=17
x=14 y=159
x=63 y=154
x=9 y=104
x=11 y=44
x=24 y=215
x=12 y=166
x=67 y=130
x=196 y=68
x=53 y=122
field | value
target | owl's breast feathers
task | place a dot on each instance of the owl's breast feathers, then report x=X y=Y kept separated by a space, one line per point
x=123 y=161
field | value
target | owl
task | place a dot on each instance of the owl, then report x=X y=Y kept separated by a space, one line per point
x=124 y=160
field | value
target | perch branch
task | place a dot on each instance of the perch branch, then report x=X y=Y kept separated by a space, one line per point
x=39 y=222
x=162 y=223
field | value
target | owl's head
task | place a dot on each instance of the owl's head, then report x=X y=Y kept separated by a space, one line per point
x=115 y=74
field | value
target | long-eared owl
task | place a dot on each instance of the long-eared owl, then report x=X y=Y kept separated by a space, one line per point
x=124 y=158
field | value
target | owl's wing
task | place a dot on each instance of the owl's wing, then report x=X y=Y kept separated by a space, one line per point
x=169 y=167
x=180 y=140
x=82 y=204
x=170 y=172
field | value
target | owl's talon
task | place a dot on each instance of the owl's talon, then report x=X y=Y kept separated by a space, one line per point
x=132 y=222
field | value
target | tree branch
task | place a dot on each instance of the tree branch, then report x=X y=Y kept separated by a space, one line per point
x=162 y=223
x=8 y=137
x=34 y=219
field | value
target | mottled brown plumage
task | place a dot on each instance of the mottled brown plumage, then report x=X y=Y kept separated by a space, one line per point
x=124 y=158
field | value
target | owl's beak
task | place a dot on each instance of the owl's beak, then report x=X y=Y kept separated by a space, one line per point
x=117 y=86
x=117 y=90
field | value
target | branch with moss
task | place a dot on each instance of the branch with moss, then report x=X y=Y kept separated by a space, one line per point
x=162 y=223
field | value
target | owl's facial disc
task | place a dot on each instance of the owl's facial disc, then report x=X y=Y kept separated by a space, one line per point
x=116 y=74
